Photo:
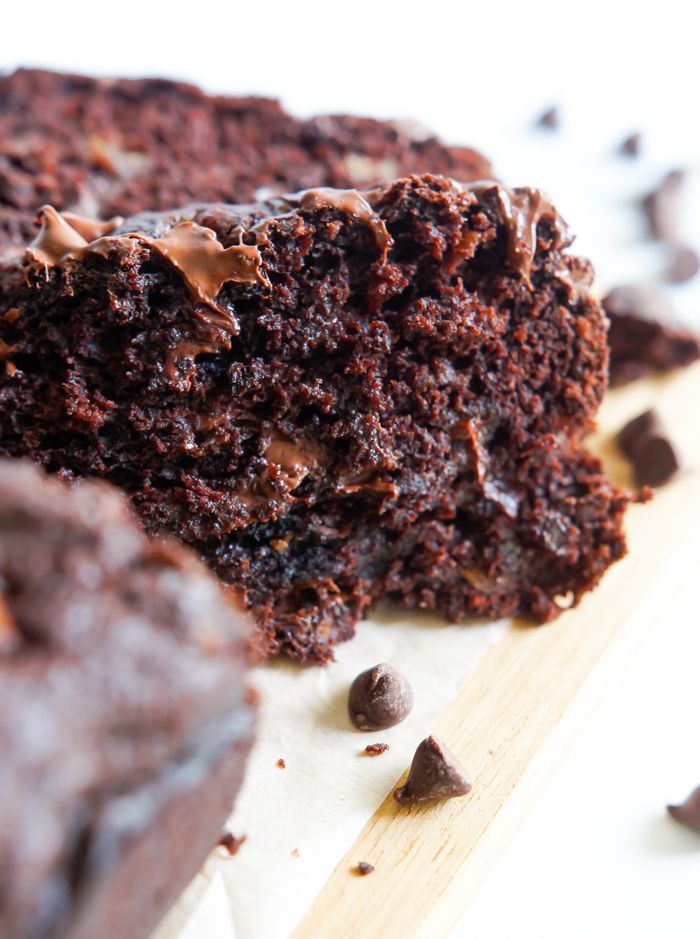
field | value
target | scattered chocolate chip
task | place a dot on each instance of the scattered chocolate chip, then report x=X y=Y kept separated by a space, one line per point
x=281 y=764
x=643 y=336
x=379 y=698
x=662 y=207
x=363 y=868
x=231 y=842
x=435 y=773
x=684 y=265
x=645 y=443
x=688 y=812
x=631 y=145
x=375 y=749
x=551 y=118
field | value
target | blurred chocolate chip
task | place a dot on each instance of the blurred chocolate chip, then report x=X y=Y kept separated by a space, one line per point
x=662 y=207
x=638 y=301
x=280 y=764
x=363 y=868
x=688 y=812
x=631 y=145
x=232 y=844
x=643 y=335
x=375 y=749
x=435 y=773
x=646 y=444
x=551 y=118
x=684 y=265
x=379 y=698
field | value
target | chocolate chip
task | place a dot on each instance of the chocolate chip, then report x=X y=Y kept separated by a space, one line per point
x=645 y=443
x=631 y=145
x=281 y=764
x=375 y=749
x=688 y=812
x=435 y=773
x=232 y=844
x=363 y=868
x=379 y=698
x=637 y=301
x=684 y=265
x=550 y=118
x=662 y=207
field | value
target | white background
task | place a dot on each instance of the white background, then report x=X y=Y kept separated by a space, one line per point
x=596 y=856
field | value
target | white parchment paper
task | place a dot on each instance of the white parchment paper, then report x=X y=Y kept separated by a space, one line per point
x=300 y=820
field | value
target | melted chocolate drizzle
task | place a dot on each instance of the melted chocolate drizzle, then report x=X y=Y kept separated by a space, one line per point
x=352 y=203
x=194 y=251
x=520 y=211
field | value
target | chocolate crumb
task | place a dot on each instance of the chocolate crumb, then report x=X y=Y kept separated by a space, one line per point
x=646 y=444
x=375 y=749
x=435 y=773
x=281 y=764
x=688 y=812
x=684 y=265
x=662 y=207
x=232 y=844
x=379 y=698
x=363 y=868
x=631 y=145
x=551 y=118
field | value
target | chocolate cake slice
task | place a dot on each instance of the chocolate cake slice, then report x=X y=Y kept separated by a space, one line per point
x=124 y=718
x=116 y=147
x=335 y=397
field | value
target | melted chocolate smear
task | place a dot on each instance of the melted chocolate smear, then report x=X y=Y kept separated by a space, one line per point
x=520 y=212
x=65 y=234
x=353 y=204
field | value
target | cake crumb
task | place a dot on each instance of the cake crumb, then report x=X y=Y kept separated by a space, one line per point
x=295 y=852
x=375 y=749
x=281 y=764
x=232 y=843
x=364 y=868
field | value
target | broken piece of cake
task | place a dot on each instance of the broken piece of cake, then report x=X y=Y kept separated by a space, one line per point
x=125 y=722
x=102 y=146
x=335 y=397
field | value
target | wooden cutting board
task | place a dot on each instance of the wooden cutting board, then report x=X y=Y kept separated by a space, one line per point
x=513 y=719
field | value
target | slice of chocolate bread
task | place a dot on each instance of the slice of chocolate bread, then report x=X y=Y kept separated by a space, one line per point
x=335 y=397
x=124 y=719
x=116 y=147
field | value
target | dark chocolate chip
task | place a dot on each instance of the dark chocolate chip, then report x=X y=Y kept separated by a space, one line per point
x=638 y=301
x=662 y=207
x=379 y=698
x=363 y=868
x=435 y=773
x=551 y=118
x=646 y=444
x=688 y=812
x=631 y=145
x=232 y=844
x=375 y=749
x=684 y=265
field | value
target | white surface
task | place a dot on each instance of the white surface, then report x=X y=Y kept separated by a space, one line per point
x=596 y=857
x=300 y=820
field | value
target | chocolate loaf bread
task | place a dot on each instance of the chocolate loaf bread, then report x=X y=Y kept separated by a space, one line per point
x=335 y=397
x=124 y=719
x=116 y=147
